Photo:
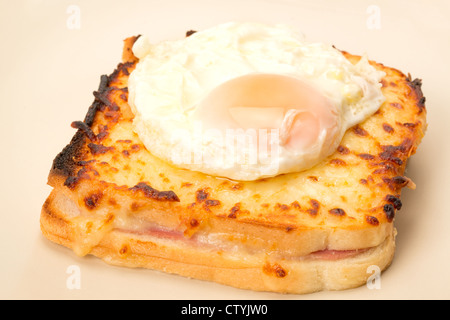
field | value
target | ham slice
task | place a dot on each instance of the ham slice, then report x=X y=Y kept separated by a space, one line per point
x=202 y=241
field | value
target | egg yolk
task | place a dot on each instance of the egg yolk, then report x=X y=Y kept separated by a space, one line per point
x=272 y=101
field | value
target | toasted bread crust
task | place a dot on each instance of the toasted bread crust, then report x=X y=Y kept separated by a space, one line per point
x=346 y=202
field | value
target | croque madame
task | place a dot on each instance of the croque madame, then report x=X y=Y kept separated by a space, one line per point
x=302 y=232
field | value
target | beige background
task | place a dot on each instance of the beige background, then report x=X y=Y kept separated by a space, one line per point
x=49 y=71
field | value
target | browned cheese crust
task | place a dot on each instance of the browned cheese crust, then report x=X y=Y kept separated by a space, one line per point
x=346 y=202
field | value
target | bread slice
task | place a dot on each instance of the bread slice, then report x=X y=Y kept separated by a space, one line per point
x=319 y=229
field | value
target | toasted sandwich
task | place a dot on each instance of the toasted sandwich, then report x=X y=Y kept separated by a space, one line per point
x=301 y=232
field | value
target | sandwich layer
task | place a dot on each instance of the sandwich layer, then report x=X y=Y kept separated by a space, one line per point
x=319 y=228
x=229 y=265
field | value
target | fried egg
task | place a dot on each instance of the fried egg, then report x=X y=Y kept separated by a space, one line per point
x=247 y=101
